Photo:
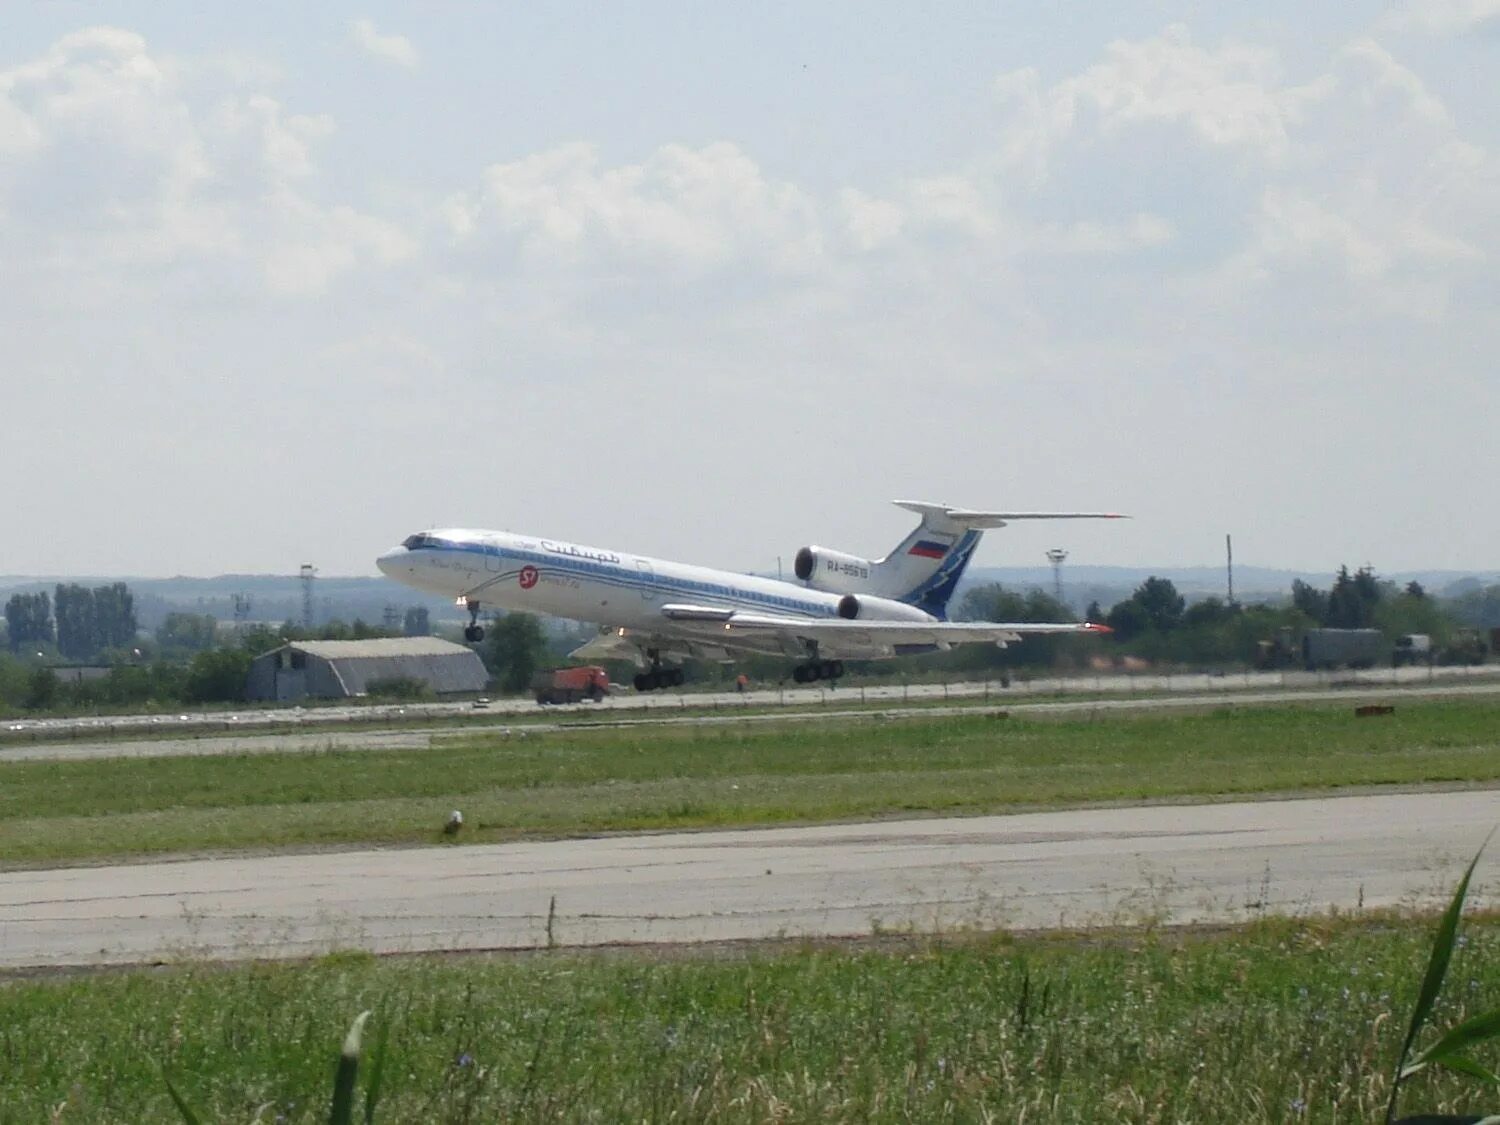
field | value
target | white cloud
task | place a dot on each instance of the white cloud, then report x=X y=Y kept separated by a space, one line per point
x=395 y=49
x=114 y=165
x=1139 y=232
x=682 y=208
x=1443 y=17
x=870 y=222
x=1230 y=97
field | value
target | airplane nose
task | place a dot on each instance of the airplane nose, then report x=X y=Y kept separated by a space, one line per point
x=391 y=561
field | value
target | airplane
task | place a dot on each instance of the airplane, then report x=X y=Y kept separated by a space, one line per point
x=842 y=607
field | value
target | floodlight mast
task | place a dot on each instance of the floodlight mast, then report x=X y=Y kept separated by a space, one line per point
x=1057 y=556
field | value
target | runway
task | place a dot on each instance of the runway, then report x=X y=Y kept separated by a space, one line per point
x=298 y=722
x=406 y=737
x=1080 y=868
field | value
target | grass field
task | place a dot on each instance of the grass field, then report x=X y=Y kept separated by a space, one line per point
x=1279 y=1022
x=583 y=781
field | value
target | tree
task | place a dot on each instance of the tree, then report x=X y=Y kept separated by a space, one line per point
x=217 y=676
x=1413 y=613
x=1128 y=619
x=187 y=632
x=516 y=650
x=41 y=689
x=89 y=621
x=28 y=620
x=1162 y=604
x=257 y=639
x=1155 y=605
x=75 y=611
x=1208 y=613
x=1310 y=600
x=1352 y=600
x=114 y=617
x=991 y=601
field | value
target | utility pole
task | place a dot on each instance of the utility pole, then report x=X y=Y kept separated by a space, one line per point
x=1229 y=562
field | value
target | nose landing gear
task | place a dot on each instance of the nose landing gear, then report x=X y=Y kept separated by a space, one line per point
x=474 y=632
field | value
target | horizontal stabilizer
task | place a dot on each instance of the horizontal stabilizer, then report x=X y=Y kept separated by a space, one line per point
x=976 y=520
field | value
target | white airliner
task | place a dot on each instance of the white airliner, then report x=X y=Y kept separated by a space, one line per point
x=841 y=608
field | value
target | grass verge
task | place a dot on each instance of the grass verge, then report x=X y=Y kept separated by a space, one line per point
x=585 y=781
x=1279 y=1021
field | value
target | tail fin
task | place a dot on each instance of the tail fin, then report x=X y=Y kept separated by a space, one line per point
x=924 y=568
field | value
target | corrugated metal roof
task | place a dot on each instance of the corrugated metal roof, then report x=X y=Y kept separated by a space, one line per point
x=444 y=666
x=378 y=646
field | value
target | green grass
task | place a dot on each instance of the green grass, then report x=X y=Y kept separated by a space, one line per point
x=1278 y=1022
x=584 y=781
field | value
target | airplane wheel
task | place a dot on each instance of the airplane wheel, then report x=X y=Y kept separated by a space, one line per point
x=643 y=682
x=675 y=678
x=473 y=634
x=832 y=669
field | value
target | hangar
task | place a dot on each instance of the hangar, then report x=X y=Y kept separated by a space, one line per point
x=340 y=669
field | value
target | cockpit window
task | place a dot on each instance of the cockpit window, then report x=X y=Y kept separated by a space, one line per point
x=416 y=542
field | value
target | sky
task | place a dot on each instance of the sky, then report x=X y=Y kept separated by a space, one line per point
x=284 y=284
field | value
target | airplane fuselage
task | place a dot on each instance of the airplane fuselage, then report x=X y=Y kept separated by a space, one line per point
x=561 y=579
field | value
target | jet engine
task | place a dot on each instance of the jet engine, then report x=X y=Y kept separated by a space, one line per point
x=867 y=607
x=833 y=571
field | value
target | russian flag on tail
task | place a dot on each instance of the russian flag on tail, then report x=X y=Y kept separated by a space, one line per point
x=928 y=549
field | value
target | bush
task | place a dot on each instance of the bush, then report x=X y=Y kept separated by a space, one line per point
x=398 y=687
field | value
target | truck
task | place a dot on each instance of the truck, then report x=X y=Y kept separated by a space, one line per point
x=571 y=685
x=1343 y=648
x=1413 y=648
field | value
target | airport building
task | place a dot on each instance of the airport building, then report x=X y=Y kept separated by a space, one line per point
x=343 y=669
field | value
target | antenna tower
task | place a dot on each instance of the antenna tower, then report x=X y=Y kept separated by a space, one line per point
x=309 y=572
x=242 y=606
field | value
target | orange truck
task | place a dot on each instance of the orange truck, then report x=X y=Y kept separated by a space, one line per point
x=571 y=685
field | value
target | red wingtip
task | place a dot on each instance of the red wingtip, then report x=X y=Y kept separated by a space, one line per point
x=1094 y=627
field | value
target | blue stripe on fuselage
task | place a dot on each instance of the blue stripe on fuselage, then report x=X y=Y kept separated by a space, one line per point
x=633 y=579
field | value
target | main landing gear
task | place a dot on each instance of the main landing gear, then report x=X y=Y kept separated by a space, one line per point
x=818 y=670
x=657 y=676
x=474 y=633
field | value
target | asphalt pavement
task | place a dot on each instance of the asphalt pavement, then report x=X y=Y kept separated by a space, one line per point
x=1081 y=868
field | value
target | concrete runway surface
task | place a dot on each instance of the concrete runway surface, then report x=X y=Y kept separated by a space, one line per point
x=1080 y=868
x=623 y=704
x=422 y=738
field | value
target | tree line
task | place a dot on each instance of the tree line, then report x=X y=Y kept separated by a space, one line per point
x=190 y=659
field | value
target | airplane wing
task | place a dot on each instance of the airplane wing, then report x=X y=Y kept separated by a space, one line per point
x=717 y=633
x=838 y=633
